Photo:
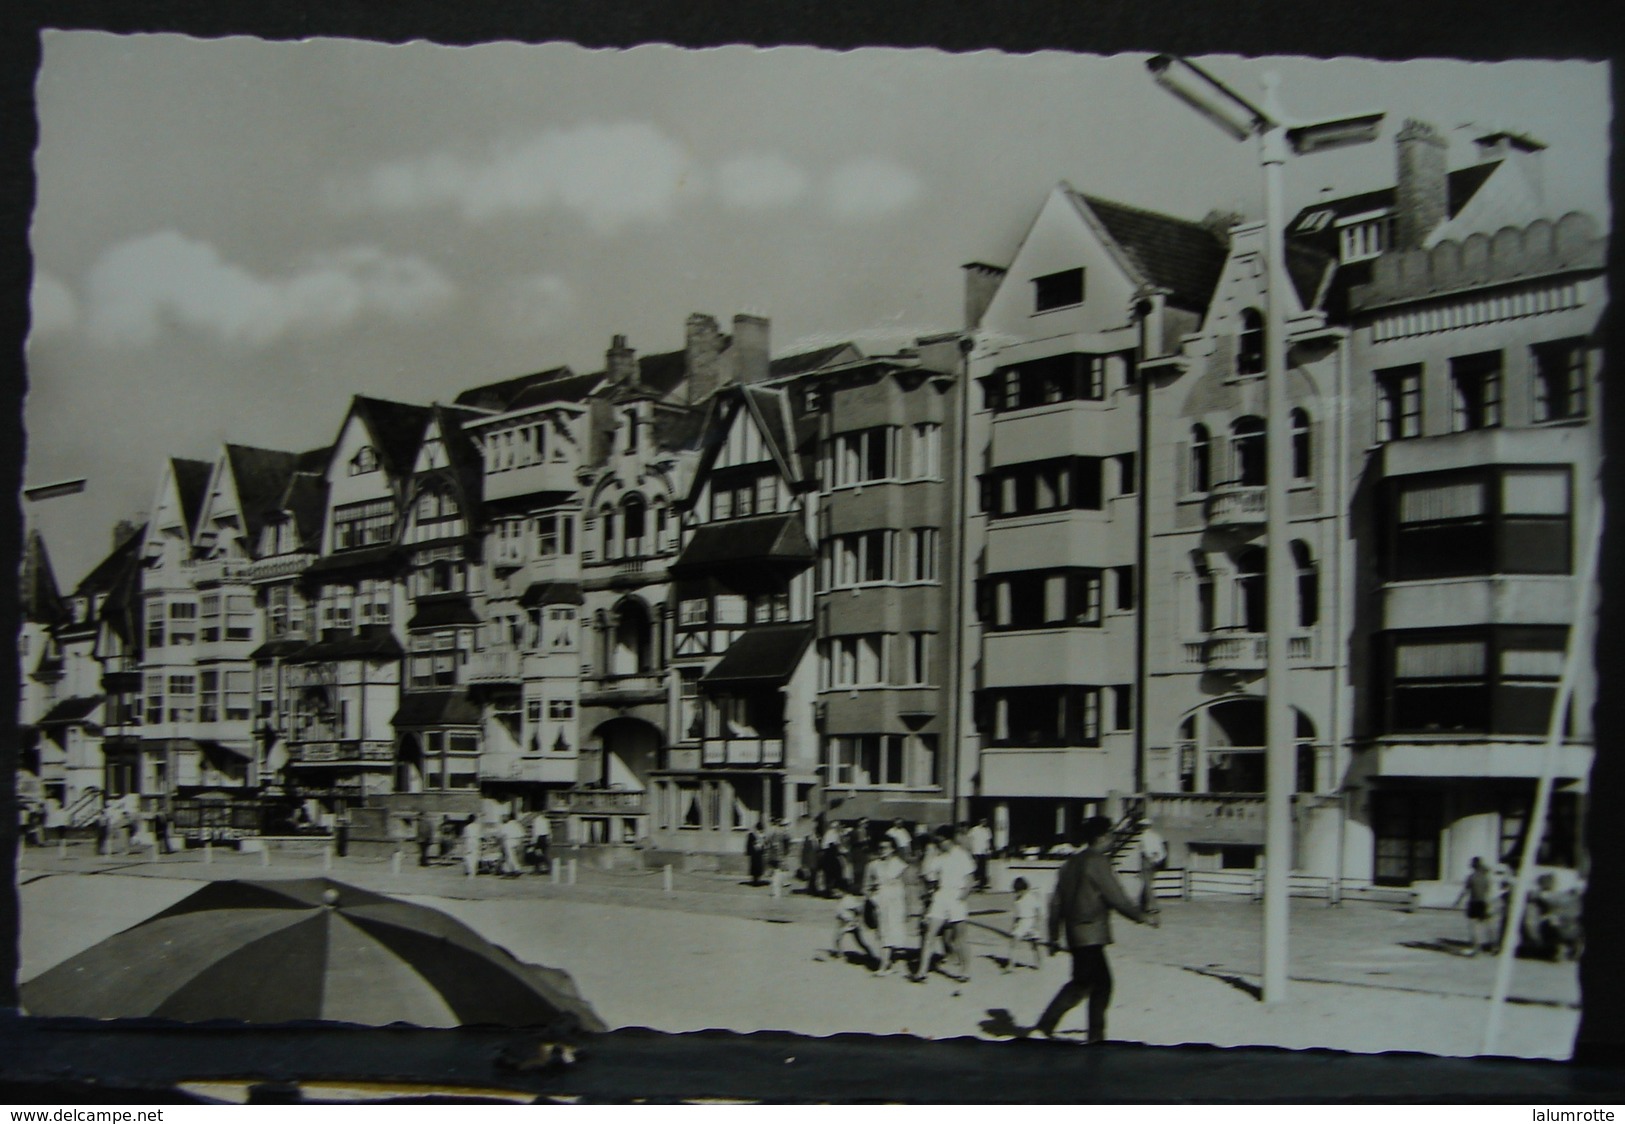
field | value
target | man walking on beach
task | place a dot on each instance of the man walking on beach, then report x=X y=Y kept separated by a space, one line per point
x=980 y=839
x=1086 y=892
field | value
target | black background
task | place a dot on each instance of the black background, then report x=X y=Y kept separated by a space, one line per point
x=66 y=1064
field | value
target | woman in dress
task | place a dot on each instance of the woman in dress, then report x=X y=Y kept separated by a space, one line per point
x=884 y=887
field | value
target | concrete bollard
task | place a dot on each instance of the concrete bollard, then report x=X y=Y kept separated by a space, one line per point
x=395 y=864
x=327 y=857
x=265 y=854
x=208 y=852
x=574 y=864
x=62 y=847
x=553 y=870
x=667 y=878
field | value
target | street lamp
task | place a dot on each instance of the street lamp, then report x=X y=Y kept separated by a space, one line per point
x=1239 y=119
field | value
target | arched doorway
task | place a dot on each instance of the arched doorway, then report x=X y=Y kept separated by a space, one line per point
x=631 y=752
x=409 y=764
x=631 y=649
x=1222 y=748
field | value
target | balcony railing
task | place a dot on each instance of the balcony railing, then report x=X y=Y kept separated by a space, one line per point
x=619 y=689
x=494 y=665
x=1245 y=651
x=281 y=566
x=216 y=570
x=527 y=769
x=507 y=553
x=340 y=752
x=596 y=801
x=1236 y=505
x=742 y=751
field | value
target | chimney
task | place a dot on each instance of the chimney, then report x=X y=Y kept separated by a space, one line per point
x=621 y=363
x=1422 y=198
x=750 y=348
x=981 y=282
x=702 y=357
x=1518 y=149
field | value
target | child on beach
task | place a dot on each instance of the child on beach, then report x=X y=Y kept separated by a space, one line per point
x=1025 y=918
x=849 y=921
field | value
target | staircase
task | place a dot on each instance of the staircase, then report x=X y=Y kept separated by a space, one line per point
x=1123 y=846
x=83 y=811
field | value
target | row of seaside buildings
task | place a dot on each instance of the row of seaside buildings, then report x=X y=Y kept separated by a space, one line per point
x=1015 y=572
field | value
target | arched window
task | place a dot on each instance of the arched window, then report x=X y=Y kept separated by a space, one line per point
x=1250 y=343
x=1204 y=592
x=612 y=544
x=633 y=513
x=1250 y=589
x=1247 y=452
x=1308 y=585
x=1201 y=459
x=1300 y=445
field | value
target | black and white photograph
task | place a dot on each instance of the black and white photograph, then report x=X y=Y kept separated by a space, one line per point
x=783 y=539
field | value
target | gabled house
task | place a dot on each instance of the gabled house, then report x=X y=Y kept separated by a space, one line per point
x=40 y=670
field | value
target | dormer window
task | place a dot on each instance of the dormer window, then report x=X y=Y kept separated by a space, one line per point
x=364 y=461
x=1361 y=237
x=1058 y=290
x=632 y=431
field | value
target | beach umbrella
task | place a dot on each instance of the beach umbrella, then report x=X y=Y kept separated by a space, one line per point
x=309 y=948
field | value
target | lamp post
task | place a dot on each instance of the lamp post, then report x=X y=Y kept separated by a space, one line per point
x=1277 y=138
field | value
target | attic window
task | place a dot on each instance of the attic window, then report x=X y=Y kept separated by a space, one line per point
x=1314 y=221
x=1361 y=237
x=365 y=461
x=1058 y=290
x=812 y=399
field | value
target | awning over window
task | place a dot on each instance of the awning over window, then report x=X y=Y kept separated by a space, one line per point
x=373 y=642
x=762 y=655
x=222 y=750
x=551 y=593
x=762 y=539
x=436 y=708
x=368 y=557
x=444 y=612
x=71 y=710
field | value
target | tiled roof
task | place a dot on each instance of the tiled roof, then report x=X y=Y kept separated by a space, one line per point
x=71 y=710
x=1460 y=185
x=373 y=642
x=661 y=374
x=367 y=557
x=443 y=612
x=41 y=599
x=278 y=649
x=397 y=430
x=106 y=574
x=805 y=361
x=192 y=482
x=761 y=655
x=1181 y=256
x=677 y=429
x=262 y=477
x=498 y=396
x=566 y=388
x=753 y=541
x=551 y=593
x=436 y=708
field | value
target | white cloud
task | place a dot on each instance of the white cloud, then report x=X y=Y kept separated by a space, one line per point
x=870 y=188
x=608 y=174
x=142 y=286
x=758 y=182
x=532 y=306
x=52 y=305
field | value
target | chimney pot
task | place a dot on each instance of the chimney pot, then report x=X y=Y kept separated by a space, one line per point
x=1422 y=191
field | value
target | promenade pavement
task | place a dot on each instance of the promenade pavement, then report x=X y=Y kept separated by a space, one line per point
x=716 y=953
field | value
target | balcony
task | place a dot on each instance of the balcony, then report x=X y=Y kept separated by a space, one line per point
x=341 y=753
x=506 y=553
x=1236 y=505
x=494 y=665
x=597 y=801
x=214 y=571
x=1209 y=817
x=623 y=690
x=1229 y=650
x=559 y=769
x=281 y=566
x=742 y=751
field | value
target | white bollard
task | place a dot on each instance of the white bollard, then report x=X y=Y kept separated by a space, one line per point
x=62 y=847
x=553 y=870
x=327 y=857
x=668 y=878
x=778 y=883
x=395 y=864
x=208 y=851
x=265 y=853
x=574 y=864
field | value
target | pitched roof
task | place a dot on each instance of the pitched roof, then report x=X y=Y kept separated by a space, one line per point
x=467 y=466
x=262 y=477
x=41 y=598
x=767 y=654
x=568 y=387
x=1460 y=186
x=802 y=362
x=71 y=710
x=1179 y=255
x=662 y=374
x=499 y=396
x=677 y=428
x=444 y=612
x=106 y=573
x=397 y=430
x=192 y=483
x=306 y=503
x=551 y=593
x=437 y=708
x=373 y=642
x=753 y=541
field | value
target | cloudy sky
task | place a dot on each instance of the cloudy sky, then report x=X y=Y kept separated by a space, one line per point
x=233 y=237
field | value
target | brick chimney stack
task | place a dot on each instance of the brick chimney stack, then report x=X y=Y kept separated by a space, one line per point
x=702 y=358
x=981 y=282
x=1422 y=198
x=621 y=363
x=750 y=348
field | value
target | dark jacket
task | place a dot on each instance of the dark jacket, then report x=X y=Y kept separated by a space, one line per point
x=1086 y=892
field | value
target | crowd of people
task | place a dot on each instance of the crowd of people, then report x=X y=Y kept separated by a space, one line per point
x=504 y=848
x=1550 y=928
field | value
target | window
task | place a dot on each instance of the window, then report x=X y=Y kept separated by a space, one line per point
x=1362 y=237
x=561 y=710
x=368 y=523
x=1201 y=459
x=1250 y=590
x=735 y=496
x=852 y=661
x=925 y=451
x=1512 y=520
x=239 y=692
x=209 y=610
x=1040 y=599
x=861 y=457
x=693 y=612
x=1476 y=383
x=1399 y=402
x=860 y=559
x=1125 y=482
x=373 y=598
x=364 y=461
x=155 y=700
x=867 y=760
x=923 y=554
x=1040 y=716
x=917 y=668
x=1250 y=343
x=770 y=607
x=1058 y=290
x=689 y=722
x=182 y=698
x=1123 y=583
x=1499 y=680
x=1065 y=483
x=1308 y=585
x=555 y=534
x=1560 y=380
x=1247 y=452
x=634 y=520
x=1069 y=377
x=209 y=692
x=631 y=431
x=1301 y=448
x=1123 y=707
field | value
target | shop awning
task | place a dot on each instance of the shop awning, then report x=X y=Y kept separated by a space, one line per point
x=769 y=539
x=761 y=655
x=443 y=613
x=421 y=709
x=551 y=593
